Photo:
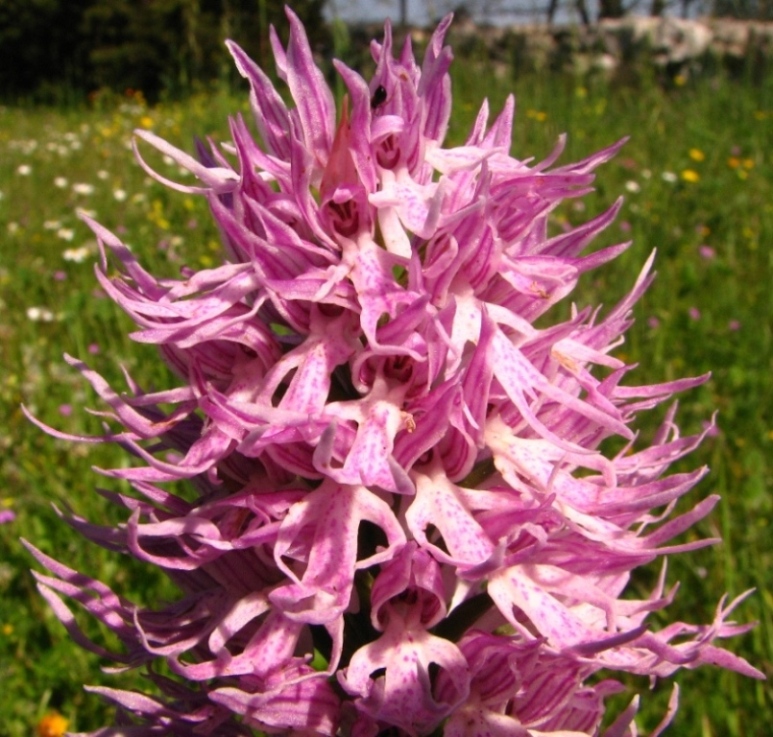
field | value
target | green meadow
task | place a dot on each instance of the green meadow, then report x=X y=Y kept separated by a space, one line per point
x=697 y=177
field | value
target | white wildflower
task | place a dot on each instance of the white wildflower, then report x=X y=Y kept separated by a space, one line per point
x=76 y=255
x=83 y=188
x=39 y=314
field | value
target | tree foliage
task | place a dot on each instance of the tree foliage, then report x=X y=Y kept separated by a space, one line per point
x=52 y=47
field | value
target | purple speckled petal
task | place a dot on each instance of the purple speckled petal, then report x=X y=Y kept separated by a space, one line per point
x=404 y=695
x=439 y=504
x=321 y=532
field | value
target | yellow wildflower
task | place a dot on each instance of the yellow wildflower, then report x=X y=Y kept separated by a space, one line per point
x=697 y=155
x=52 y=725
x=156 y=215
x=690 y=175
x=539 y=115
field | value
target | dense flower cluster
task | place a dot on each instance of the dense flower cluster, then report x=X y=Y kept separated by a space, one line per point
x=404 y=522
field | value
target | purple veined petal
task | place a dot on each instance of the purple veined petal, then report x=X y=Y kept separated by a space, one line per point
x=472 y=723
x=501 y=131
x=595 y=160
x=435 y=84
x=269 y=111
x=268 y=650
x=306 y=707
x=316 y=108
x=570 y=244
x=136 y=422
x=144 y=539
x=189 y=711
x=94 y=596
x=133 y=701
x=361 y=149
x=519 y=688
x=303 y=172
x=278 y=51
x=430 y=418
x=147 y=283
x=622 y=725
x=514 y=589
x=201 y=456
x=54 y=433
x=461 y=158
x=476 y=134
x=161 y=633
x=520 y=379
x=217 y=179
x=231 y=324
x=260 y=173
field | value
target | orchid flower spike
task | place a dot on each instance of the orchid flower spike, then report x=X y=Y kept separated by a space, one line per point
x=402 y=517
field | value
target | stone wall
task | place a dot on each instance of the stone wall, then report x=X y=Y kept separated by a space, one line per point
x=669 y=43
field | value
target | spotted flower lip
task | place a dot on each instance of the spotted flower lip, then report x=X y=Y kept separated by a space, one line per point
x=403 y=517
